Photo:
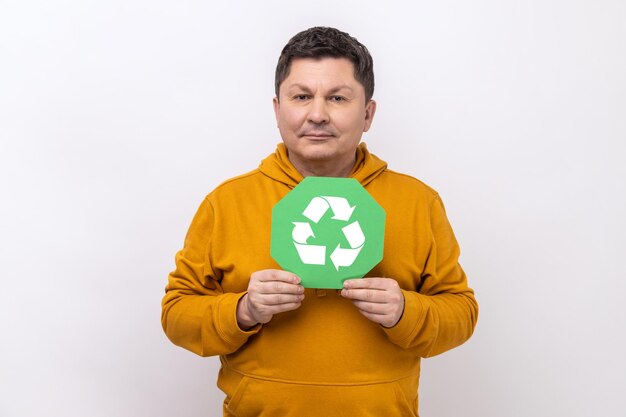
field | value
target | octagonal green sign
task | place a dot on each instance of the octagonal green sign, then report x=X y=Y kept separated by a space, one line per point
x=327 y=230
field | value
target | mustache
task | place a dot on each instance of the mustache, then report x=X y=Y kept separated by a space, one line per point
x=317 y=131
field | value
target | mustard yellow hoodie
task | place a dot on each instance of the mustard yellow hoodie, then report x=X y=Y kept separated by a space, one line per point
x=325 y=358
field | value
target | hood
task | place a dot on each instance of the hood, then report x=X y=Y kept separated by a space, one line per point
x=278 y=167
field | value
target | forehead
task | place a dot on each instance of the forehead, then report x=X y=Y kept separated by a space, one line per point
x=325 y=71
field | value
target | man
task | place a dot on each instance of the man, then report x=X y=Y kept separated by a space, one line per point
x=290 y=351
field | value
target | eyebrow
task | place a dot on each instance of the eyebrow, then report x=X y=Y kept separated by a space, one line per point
x=332 y=90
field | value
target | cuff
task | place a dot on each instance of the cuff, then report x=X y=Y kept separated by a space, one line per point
x=405 y=329
x=226 y=321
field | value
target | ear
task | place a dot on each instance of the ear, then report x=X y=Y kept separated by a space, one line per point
x=276 y=104
x=370 y=110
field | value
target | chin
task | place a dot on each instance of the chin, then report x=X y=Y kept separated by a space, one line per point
x=318 y=152
x=317 y=157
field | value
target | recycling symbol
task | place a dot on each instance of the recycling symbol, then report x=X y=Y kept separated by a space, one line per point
x=327 y=230
x=316 y=254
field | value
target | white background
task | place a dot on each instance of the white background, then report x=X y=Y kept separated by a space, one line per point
x=117 y=117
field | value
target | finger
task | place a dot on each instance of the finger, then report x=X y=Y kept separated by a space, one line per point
x=277 y=299
x=270 y=310
x=278 y=275
x=287 y=307
x=369 y=295
x=373 y=308
x=376 y=318
x=366 y=283
x=279 y=287
x=281 y=308
x=384 y=320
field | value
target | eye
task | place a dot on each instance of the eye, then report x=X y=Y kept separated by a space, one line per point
x=300 y=97
x=337 y=99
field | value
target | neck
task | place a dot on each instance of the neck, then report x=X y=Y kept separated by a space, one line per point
x=340 y=169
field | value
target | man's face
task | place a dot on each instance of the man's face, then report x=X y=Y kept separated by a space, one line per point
x=322 y=112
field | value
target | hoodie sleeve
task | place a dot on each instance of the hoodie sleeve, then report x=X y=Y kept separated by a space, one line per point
x=196 y=314
x=442 y=314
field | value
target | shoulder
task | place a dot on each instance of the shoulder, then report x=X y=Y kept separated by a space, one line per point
x=404 y=185
x=249 y=191
x=243 y=182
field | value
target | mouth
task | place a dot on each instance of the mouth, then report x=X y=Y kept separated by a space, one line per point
x=316 y=135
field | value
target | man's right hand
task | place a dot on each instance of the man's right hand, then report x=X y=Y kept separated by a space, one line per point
x=270 y=292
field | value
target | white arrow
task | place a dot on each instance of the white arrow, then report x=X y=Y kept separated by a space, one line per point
x=354 y=234
x=316 y=209
x=344 y=257
x=311 y=254
x=340 y=207
x=302 y=232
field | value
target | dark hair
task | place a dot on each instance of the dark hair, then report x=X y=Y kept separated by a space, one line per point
x=321 y=42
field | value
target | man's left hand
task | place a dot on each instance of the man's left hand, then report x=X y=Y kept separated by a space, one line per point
x=378 y=299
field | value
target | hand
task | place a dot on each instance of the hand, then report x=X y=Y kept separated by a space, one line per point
x=270 y=292
x=379 y=299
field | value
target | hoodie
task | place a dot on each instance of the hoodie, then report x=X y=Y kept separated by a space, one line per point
x=324 y=358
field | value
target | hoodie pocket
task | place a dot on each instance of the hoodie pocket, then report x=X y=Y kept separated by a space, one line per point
x=231 y=405
x=257 y=397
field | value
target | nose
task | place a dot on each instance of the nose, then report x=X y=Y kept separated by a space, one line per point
x=318 y=112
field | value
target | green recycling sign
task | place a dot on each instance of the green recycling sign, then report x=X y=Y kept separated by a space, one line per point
x=327 y=230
